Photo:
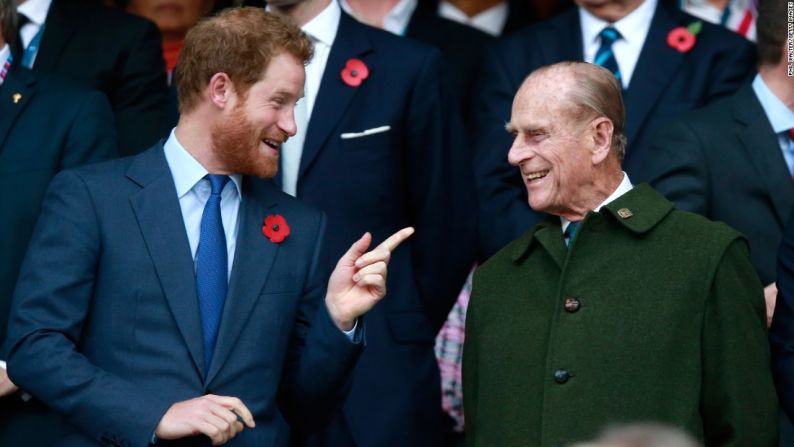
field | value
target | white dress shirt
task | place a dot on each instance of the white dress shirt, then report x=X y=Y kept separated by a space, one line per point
x=780 y=117
x=193 y=191
x=36 y=11
x=396 y=20
x=4 y=53
x=624 y=187
x=322 y=31
x=491 y=21
x=633 y=30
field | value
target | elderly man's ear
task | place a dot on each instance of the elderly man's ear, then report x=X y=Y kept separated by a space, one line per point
x=602 y=139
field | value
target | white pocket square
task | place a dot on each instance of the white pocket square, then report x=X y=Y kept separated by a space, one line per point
x=374 y=130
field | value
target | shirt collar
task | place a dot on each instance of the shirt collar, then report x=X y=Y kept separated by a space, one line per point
x=396 y=20
x=35 y=10
x=491 y=21
x=780 y=117
x=185 y=169
x=633 y=26
x=323 y=27
x=624 y=187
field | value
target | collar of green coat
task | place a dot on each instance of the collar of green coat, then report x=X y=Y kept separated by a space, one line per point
x=639 y=210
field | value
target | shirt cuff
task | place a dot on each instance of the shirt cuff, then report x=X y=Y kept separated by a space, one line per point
x=351 y=334
x=3 y=363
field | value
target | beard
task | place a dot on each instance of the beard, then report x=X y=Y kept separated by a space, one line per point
x=236 y=143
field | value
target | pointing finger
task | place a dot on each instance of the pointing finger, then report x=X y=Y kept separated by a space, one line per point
x=396 y=239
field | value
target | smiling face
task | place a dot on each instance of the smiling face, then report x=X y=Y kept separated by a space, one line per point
x=552 y=148
x=247 y=139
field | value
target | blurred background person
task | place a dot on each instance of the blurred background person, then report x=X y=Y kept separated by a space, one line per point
x=736 y=15
x=46 y=125
x=495 y=17
x=109 y=50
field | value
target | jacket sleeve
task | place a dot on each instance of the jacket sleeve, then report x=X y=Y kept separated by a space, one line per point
x=781 y=334
x=738 y=401
x=51 y=305
x=442 y=194
x=678 y=167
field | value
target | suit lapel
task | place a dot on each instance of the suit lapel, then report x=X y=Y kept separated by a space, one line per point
x=334 y=96
x=62 y=20
x=252 y=261
x=550 y=238
x=159 y=216
x=763 y=148
x=19 y=86
x=655 y=68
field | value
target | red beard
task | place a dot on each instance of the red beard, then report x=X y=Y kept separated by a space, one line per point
x=235 y=143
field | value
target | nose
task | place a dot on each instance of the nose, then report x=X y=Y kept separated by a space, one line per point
x=287 y=122
x=519 y=151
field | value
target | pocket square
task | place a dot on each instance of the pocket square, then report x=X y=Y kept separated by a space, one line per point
x=374 y=130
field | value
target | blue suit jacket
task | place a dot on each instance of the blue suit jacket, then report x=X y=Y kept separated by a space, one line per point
x=105 y=326
x=781 y=333
x=417 y=173
x=665 y=84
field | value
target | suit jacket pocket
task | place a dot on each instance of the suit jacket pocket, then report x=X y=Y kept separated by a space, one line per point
x=411 y=327
x=371 y=146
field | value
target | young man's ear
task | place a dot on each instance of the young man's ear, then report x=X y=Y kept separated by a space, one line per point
x=602 y=138
x=221 y=90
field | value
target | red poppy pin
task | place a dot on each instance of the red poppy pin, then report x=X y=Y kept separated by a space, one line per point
x=355 y=72
x=682 y=39
x=275 y=228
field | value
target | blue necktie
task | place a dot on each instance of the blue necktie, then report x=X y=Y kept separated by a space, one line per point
x=211 y=267
x=605 y=57
x=570 y=232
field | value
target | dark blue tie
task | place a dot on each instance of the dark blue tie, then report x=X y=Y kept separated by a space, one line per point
x=211 y=267
x=605 y=57
x=570 y=232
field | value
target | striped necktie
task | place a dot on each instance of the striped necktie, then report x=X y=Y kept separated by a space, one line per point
x=605 y=57
x=570 y=232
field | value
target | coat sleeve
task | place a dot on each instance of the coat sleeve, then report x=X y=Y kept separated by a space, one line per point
x=781 y=334
x=738 y=401
x=92 y=136
x=678 y=167
x=442 y=193
x=320 y=357
x=51 y=305
x=140 y=101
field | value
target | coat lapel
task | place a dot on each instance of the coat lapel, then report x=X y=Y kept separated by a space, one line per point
x=763 y=148
x=253 y=259
x=159 y=216
x=19 y=86
x=655 y=68
x=62 y=20
x=334 y=96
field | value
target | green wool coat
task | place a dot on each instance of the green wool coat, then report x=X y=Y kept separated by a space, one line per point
x=653 y=314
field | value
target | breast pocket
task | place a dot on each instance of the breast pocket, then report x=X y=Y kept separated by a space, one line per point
x=367 y=146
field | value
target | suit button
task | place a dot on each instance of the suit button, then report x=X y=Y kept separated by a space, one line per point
x=571 y=305
x=561 y=376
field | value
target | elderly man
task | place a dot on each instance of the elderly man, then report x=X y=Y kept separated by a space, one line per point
x=617 y=308
x=177 y=294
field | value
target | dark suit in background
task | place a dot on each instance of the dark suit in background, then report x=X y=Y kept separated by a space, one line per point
x=408 y=175
x=106 y=324
x=781 y=334
x=52 y=125
x=665 y=84
x=462 y=50
x=116 y=53
x=724 y=162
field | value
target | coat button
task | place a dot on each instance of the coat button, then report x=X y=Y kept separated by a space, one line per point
x=561 y=376
x=571 y=305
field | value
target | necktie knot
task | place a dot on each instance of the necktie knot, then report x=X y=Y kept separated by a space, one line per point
x=609 y=35
x=217 y=182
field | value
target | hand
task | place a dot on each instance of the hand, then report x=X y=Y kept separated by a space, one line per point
x=359 y=280
x=770 y=296
x=210 y=415
x=6 y=385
